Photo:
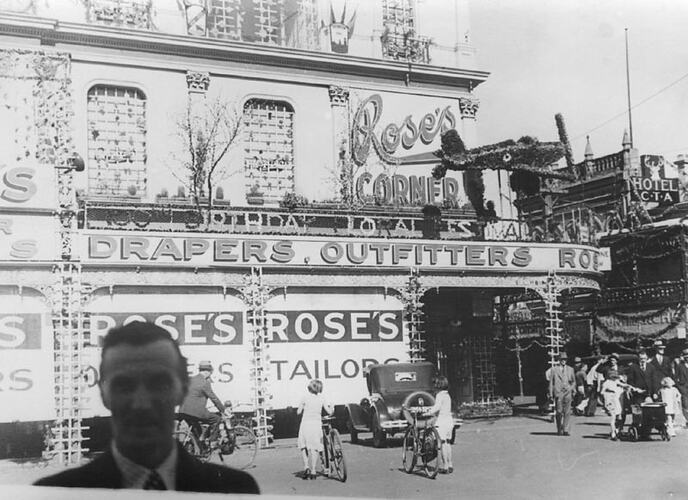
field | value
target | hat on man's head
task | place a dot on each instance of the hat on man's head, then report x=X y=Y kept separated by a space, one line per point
x=658 y=344
x=563 y=355
x=205 y=365
x=577 y=360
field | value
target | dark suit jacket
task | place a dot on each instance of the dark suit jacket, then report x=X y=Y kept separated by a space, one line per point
x=192 y=475
x=682 y=377
x=200 y=391
x=649 y=380
x=665 y=369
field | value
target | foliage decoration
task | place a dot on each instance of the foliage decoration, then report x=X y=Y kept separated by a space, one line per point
x=291 y=200
x=527 y=154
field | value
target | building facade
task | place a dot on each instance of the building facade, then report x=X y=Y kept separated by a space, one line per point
x=256 y=177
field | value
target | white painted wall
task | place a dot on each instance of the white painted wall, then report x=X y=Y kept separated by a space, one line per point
x=446 y=22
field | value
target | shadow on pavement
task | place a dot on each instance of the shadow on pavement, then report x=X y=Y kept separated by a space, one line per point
x=597 y=436
x=555 y=433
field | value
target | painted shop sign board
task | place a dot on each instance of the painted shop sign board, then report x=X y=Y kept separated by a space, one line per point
x=28 y=237
x=26 y=361
x=307 y=338
x=388 y=133
x=265 y=222
x=213 y=251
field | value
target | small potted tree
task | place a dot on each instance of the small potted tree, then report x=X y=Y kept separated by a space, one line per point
x=255 y=195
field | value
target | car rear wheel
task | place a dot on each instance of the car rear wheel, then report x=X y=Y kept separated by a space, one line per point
x=379 y=435
x=353 y=433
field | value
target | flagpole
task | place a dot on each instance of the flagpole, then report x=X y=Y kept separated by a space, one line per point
x=628 y=91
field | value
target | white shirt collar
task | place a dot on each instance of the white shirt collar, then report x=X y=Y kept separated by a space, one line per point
x=134 y=475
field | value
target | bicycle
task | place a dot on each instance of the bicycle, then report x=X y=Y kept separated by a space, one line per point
x=421 y=440
x=333 y=455
x=237 y=444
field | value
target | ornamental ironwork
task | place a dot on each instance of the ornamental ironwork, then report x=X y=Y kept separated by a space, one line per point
x=123 y=13
x=643 y=295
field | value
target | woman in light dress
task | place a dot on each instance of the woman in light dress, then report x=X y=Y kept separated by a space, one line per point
x=444 y=422
x=310 y=432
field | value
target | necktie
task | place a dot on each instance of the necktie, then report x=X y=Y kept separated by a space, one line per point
x=154 y=482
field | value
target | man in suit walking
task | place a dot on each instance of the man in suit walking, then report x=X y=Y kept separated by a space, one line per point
x=143 y=377
x=682 y=381
x=562 y=385
x=661 y=362
x=643 y=376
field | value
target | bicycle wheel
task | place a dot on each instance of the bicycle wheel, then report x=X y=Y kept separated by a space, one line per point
x=243 y=448
x=188 y=442
x=337 y=462
x=409 y=449
x=431 y=452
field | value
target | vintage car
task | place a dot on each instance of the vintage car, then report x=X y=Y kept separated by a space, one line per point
x=390 y=387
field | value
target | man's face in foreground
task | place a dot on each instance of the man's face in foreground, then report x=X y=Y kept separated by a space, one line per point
x=141 y=387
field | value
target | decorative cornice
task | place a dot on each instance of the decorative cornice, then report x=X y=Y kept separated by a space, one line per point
x=52 y=32
x=197 y=82
x=339 y=96
x=468 y=107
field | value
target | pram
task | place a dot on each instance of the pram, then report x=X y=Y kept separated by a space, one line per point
x=646 y=417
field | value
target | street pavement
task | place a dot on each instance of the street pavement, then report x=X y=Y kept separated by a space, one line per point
x=517 y=457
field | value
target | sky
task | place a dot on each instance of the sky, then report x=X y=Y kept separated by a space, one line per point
x=555 y=56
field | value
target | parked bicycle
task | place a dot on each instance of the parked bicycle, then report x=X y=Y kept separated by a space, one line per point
x=421 y=441
x=333 y=461
x=237 y=444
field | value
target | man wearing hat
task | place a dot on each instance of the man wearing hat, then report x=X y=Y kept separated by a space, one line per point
x=200 y=390
x=581 y=385
x=562 y=385
x=661 y=362
x=644 y=376
x=682 y=381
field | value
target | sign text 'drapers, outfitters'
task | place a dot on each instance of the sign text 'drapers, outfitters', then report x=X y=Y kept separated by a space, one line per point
x=211 y=251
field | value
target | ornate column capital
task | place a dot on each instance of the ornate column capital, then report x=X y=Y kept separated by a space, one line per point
x=468 y=107
x=339 y=96
x=197 y=82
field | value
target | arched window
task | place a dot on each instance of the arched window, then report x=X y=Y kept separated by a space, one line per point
x=269 y=148
x=116 y=141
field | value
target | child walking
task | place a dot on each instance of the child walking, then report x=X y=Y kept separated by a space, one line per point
x=444 y=423
x=310 y=431
x=670 y=395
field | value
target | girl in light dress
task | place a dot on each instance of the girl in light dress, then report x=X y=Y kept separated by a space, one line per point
x=310 y=431
x=444 y=422
x=613 y=392
x=670 y=395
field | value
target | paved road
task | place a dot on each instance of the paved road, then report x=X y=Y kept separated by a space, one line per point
x=517 y=457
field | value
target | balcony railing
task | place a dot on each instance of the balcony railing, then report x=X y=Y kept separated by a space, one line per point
x=671 y=292
x=406 y=47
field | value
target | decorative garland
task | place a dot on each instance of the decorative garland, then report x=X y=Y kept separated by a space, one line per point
x=525 y=154
x=621 y=334
x=643 y=317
